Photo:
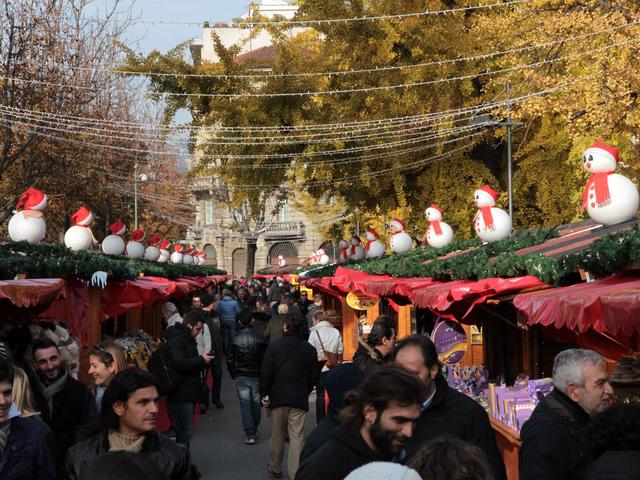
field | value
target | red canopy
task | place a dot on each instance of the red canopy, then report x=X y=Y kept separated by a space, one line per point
x=32 y=292
x=610 y=306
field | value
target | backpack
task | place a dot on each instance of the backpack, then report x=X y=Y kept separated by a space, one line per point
x=160 y=367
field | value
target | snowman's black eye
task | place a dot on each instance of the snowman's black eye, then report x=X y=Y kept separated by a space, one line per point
x=590 y=158
x=584 y=158
x=477 y=197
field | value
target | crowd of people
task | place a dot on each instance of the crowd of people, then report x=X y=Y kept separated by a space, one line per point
x=387 y=414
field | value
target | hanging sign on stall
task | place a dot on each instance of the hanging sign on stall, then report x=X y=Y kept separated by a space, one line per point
x=361 y=301
x=450 y=340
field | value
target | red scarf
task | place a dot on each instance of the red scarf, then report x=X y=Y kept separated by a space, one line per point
x=601 y=183
x=436 y=227
x=353 y=249
x=368 y=245
x=487 y=217
x=344 y=254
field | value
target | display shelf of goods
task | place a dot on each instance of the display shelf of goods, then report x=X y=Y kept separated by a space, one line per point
x=47 y=261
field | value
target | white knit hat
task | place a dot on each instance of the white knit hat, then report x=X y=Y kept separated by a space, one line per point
x=383 y=471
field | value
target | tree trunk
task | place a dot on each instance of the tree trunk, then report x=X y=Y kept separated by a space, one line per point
x=252 y=247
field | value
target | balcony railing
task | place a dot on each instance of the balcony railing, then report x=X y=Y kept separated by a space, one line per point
x=285 y=227
x=199 y=184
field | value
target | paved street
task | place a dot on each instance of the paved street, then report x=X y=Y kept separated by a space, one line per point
x=218 y=447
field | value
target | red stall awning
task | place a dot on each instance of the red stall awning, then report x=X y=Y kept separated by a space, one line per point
x=610 y=306
x=32 y=292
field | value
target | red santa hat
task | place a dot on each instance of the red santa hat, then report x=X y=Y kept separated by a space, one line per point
x=33 y=199
x=373 y=232
x=396 y=222
x=606 y=150
x=117 y=227
x=154 y=240
x=165 y=245
x=178 y=248
x=437 y=208
x=201 y=253
x=137 y=235
x=82 y=217
x=190 y=251
x=491 y=192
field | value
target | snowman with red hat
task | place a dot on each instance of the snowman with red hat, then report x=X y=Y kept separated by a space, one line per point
x=609 y=198
x=438 y=234
x=187 y=258
x=322 y=257
x=176 y=256
x=202 y=257
x=281 y=261
x=343 y=245
x=164 y=251
x=114 y=244
x=374 y=247
x=79 y=237
x=29 y=224
x=135 y=248
x=153 y=252
x=400 y=241
x=491 y=223
x=356 y=250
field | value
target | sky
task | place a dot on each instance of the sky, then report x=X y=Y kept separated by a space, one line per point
x=164 y=37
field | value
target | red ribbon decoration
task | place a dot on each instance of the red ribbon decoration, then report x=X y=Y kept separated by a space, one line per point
x=353 y=250
x=368 y=245
x=487 y=217
x=344 y=254
x=437 y=229
x=601 y=183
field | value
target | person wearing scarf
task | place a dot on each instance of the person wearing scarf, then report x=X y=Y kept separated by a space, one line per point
x=23 y=441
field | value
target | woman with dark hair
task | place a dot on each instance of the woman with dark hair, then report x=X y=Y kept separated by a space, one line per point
x=121 y=465
x=449 y=458
x=614 y=440
x=378 y=346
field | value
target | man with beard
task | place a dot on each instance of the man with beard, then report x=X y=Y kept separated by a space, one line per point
x=66 y=402
x=128 y=423
x=377 y=423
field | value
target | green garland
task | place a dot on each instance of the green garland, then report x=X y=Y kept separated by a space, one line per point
x=605 y=256
x=49 y=261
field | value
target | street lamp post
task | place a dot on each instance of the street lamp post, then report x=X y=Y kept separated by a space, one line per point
x=136 y=178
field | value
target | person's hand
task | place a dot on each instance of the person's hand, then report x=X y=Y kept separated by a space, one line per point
x=207 y=358
x=265 y=401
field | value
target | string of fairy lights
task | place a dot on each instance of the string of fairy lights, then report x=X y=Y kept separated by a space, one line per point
x=419 y=139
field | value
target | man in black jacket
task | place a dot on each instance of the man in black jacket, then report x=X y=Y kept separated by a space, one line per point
x=378 y=421
x=129 y=414
x=183 y=355
x=66 y=402
x=244 y=362
x=289 y=372
x=378 y=346
x=445 y=410
x=209 y=305
x=553 y=438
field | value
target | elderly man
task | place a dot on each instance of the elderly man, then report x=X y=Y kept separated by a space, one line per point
x=552 y=439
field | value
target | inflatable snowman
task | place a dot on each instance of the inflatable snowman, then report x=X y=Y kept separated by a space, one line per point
x=343 y=245
x=153 y=252
x=374 y=247
x=176 y=256
x=135 y=248
x=438 y=233
x=491 y=223
x=187 y=258
x=322 y=257
x=114 y=244
x=79 y=237
x=164 y=251
x=608 y=197
x=400 y=241
x=356 y=252
x=29 y=224
x=202 y=257
x=281 y=261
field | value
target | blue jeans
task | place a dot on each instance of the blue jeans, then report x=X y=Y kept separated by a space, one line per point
x=249 y=399
x=228 y=330
x=181 y=414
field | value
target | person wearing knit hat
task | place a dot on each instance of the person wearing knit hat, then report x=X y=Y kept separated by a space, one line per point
x=377 y=423
x=383 y=471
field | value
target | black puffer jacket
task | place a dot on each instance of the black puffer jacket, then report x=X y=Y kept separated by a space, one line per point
x=183 y=355
x=246 y=353
x=553 y=440
x=173 y=459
